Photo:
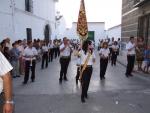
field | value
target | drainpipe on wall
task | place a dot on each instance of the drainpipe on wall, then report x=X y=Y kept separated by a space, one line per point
x=13 y=17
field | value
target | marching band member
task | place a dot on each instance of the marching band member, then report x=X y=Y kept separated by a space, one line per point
x=87 y=59
x=104 y=57
x=44 y=55
x=30 y=54
x=64 y=59
x=115 y=48
x=51 y=51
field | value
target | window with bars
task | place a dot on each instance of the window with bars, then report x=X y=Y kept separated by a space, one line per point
x=29 y=5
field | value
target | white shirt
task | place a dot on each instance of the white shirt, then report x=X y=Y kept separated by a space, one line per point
x=130 y=46
x=50 y=46
x=84 y=57
x=30 y=52
x=21 y=49
x=115 y=47
x=66 y=51
x=104 y=52
x=45 y=48
x=5 y=67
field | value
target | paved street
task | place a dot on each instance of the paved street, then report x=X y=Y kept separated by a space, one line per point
x=117 y=94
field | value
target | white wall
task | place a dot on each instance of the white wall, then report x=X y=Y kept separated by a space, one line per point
x=114 y=32
x=98 y=27
x=15 y=26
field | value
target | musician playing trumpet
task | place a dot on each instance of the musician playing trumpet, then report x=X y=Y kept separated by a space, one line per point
x=30 y=54
x=87 y=59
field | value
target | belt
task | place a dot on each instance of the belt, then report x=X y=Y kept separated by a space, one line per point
x=64 y=56
x=87 y=66
x=131 y=55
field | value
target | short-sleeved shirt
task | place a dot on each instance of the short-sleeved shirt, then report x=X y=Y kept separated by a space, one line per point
x=104 y=52
x=66 y=51
x=5 y=67
x=84 y=57
x=30 y=52
x=129 y=46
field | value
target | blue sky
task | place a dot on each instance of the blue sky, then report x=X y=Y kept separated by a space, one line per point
x=108 y=11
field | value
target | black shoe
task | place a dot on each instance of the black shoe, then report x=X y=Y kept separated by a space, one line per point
x=18 y=76
x=127 y=75
x=32 y=80
x=14 y=76
x=60 y=80
x=77 y=81
x=24 y=83
x=86 y=96
x=103 y=77
x=65 y=78
x=82 y=100
x=131 y=75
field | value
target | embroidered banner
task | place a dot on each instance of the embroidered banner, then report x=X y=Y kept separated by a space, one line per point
x=82 y=27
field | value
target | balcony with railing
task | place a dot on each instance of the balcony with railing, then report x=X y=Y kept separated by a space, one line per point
x=138 y=3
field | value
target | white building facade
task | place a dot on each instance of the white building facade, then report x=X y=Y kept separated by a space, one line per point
x=27 y=19
x=114 y=32
x=96 y=28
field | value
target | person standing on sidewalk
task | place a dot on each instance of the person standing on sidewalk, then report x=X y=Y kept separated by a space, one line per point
x=130 y=56
x=64 y=59
x=6 y=102
x=104 y=57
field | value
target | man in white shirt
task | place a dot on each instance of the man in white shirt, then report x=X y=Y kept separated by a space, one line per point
x=30 y=54
x=130 y=56
x=44 y=55
x=5 y=85
x=64 y=59
x=51 y=51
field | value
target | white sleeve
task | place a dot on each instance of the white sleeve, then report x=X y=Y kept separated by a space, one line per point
x=128 y=46
x=35 y=51
x=62 y=46
x=5 y=66
x=93 y=55
x=100 y=51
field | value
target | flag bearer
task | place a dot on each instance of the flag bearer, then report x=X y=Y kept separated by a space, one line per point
x=87 y=59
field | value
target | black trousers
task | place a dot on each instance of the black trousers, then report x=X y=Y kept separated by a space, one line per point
x=1 y=102
x=58 y=51
x=55 y=52
x=27 y=70
x=51 y=54
x=64 y=62
x=114 y=58
x=86 y=77
x=103 y=67
x=130 y=64
x=44 y=60
x=78 y=73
